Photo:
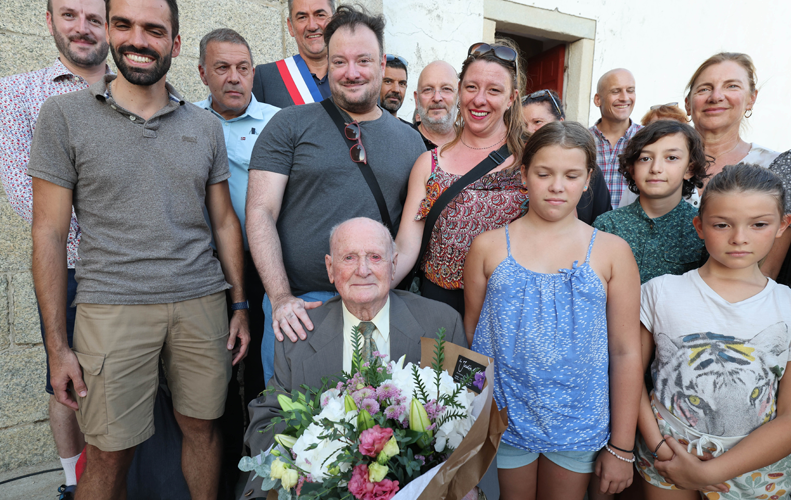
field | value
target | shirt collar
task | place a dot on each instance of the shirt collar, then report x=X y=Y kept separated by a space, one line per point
x=101 y=90
x=254 y=110
x=637 y=209
x=58 y=69
x=633 y=127
x=381 y=321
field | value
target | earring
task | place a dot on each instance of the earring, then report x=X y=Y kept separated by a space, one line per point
x=748 y=111
x=585 y=188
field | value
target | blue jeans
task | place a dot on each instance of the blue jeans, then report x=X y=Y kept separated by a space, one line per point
x=268 y=343
x=71 y=312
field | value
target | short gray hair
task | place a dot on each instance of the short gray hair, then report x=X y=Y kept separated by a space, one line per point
x=222 y=35
x=335 y=228
x=291 y=6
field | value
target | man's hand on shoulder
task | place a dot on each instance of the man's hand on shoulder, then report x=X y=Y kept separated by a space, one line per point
x=239 y=338
x=289 y=314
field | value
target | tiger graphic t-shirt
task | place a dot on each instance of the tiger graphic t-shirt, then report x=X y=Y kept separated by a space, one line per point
x=718 y=364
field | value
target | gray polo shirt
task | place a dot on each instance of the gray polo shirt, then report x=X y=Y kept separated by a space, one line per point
x=325 y=187
x=139 y=189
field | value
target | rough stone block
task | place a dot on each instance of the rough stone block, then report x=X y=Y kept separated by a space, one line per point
x=23 y=53
x=5 y=330
x=22 y=396
x=26 y=445
x=16 y=246
x=24 y=16
x=27 y=329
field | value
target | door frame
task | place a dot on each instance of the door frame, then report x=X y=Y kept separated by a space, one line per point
x=579 y=33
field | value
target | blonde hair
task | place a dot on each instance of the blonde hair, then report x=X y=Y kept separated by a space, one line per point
x=515 y=126
x=742 y=60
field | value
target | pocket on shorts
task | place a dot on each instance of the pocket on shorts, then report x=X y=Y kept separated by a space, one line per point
x=92 y=415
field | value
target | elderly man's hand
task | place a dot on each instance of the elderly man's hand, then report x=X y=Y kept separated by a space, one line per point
x=289 y=313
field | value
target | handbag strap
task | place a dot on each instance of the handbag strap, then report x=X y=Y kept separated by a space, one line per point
x=495 y=159
x=365 y=169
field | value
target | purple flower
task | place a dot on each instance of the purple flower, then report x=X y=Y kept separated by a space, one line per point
x=434 y=409
x=364 y=393
x=395 y=412
x=421 y=458
x=480 y=377
x=388 y=391
x=370 y=405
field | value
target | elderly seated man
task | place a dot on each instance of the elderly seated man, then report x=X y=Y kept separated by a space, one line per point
x=361 y=265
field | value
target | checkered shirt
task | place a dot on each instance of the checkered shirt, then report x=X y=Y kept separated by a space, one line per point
x=607 y=158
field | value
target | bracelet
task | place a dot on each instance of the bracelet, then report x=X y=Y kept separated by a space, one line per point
x=620 y=449
x=619 y=457
x=654 y=453
x=239 y=306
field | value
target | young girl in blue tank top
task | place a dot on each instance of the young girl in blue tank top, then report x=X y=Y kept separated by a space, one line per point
x=556 y=304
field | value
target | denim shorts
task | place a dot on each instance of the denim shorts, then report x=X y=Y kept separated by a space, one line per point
x=582 y=462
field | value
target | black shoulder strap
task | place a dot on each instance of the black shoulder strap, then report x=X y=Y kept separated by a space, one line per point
x=488 y=164
x=365 y=169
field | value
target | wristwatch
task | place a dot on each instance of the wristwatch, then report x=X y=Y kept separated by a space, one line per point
x=238 y=306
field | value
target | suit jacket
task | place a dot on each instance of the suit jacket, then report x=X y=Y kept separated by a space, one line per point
x=268 y=86
x=412 y=317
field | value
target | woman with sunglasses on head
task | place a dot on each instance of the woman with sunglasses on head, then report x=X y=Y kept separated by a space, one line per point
x=489 y=118
x=545 y=106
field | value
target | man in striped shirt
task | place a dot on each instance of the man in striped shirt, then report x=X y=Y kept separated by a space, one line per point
x=615 y=98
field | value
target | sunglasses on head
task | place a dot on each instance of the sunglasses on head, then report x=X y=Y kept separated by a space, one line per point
x=657 y=106
x=393 y=57
x=501 y=52
x=354 y=133
x=540 y=93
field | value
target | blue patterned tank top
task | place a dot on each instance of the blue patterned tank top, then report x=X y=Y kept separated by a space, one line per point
x=547 y=334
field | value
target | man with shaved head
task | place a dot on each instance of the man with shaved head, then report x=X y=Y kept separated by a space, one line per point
x=615 y=98
x=361 y=264
x=436 y=97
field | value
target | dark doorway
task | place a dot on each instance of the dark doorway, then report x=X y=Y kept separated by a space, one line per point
x=545 y=60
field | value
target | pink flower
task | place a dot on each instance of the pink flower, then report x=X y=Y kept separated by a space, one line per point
x=384 y=490
x=362 y=489
x=370 y=405
x=359 y=486
x=373 y=440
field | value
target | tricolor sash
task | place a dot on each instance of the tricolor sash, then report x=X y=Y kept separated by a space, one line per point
x=299 y=82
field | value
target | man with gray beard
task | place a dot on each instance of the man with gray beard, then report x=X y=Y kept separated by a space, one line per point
x=436 y=97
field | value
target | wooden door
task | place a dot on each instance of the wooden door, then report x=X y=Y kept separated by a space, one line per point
x=545 y=71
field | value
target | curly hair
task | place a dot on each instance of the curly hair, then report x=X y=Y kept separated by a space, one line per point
x=698 y=161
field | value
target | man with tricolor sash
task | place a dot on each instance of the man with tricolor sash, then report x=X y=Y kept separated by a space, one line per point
x=301 y=78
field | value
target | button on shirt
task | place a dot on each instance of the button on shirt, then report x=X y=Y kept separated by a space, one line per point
x=666 y=245
x=607 y=158
x=21 y=98
x=240 y=136
x=381 y=334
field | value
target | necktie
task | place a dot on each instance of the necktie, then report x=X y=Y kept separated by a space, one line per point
x=369 y=345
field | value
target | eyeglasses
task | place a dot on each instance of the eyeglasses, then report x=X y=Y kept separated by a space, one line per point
x=538 y=94
x=501 y=52
x=392 y=57
x=354 y=133
x=657 y=106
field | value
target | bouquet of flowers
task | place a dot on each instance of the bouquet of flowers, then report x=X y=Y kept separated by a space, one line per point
x=381 y=427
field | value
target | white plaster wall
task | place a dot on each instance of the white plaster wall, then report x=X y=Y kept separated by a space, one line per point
x=422 y=31
x=661 y=42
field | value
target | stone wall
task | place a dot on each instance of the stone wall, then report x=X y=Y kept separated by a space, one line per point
x=25 y=437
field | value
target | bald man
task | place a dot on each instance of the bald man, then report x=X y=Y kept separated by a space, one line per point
x=615 y=98
x=436 y=97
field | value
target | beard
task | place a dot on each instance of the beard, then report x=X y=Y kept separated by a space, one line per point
x=389 y=106
x=361 y=103
x=443 y=124
x=93 y=58
x=140 y=76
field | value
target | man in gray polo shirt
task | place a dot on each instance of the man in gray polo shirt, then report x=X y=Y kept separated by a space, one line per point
x=139 y=165
x=303 y=181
